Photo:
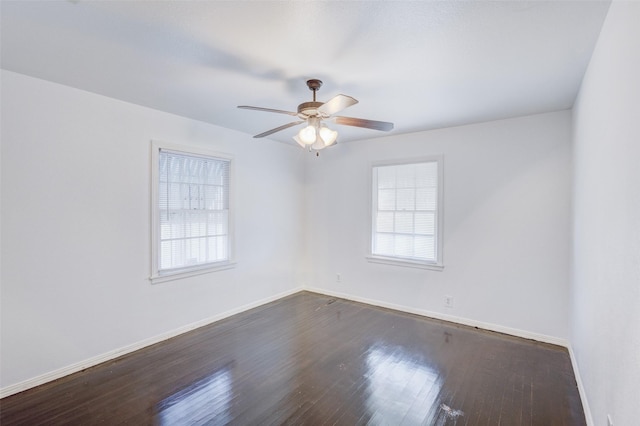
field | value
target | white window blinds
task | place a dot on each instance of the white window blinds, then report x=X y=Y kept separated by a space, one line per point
x=405 y=211
x=193 y=207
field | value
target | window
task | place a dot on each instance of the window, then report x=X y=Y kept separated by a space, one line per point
x=191 y=208
x=406 y=225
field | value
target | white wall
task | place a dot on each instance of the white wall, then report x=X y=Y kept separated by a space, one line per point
x=75 y=226
x=506 y=224
x=605 y=315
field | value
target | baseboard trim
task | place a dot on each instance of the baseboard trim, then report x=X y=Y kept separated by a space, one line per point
x=108 y=356
x=581 y=390
x=451 y=318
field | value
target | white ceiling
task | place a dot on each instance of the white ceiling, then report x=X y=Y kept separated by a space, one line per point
x=421 y=65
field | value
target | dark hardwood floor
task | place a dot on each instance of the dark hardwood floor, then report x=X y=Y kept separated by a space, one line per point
x=314 y=360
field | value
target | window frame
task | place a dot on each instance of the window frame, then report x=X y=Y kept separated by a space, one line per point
x=158 y=276
x=436 y=265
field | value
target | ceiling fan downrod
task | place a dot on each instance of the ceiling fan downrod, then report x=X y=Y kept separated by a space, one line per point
x=314 y=85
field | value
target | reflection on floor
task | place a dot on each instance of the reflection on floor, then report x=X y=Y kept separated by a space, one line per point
x=310 y=359
x=395 y=382
x=205 y=400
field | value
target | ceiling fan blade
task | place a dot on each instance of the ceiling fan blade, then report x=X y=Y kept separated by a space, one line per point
x=361 y=122
x=337 y=104
x=277 y=129
x=279 y=111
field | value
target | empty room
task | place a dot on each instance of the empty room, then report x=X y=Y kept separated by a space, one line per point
x=320 y=212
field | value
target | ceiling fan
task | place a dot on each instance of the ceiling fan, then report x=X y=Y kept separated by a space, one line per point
x=316 y=135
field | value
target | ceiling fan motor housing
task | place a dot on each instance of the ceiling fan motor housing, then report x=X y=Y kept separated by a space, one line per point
x=309 y=109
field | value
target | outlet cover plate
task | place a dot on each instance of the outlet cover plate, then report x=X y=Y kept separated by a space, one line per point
x=448 y=301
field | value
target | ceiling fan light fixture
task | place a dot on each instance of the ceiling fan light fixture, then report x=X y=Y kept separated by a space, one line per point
x=307 y=135
x=318 y=144
x=327 y=135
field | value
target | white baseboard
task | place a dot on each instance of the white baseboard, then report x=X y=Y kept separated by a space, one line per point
x=581 y=390
x=108 y=356
x=451 y=318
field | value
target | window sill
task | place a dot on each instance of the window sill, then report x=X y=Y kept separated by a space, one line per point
x=405 y=263
x=177 y=275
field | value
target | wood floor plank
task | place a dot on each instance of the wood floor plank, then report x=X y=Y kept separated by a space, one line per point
x=317 y=360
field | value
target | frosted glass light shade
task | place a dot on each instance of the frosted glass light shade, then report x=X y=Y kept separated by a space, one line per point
x=307 y=135
x=328 y=136
x=318 y=145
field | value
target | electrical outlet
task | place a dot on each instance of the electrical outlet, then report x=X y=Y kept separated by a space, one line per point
x=448 y=301
x=609 y=420
x=338 y=277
